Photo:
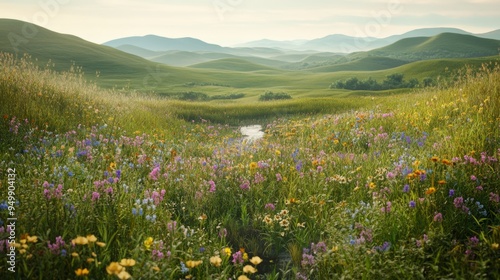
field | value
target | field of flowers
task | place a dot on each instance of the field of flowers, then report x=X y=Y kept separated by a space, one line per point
x=406 y=189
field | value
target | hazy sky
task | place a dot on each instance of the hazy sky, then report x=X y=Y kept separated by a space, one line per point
x=228 y=22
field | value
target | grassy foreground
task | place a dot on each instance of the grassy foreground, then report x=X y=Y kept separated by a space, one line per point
x=113 y=186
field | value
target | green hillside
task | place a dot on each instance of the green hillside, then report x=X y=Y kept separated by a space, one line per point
x=445 y=45
x=234 y=64
x=370 y=63
x=144 y=53
x=184 y=58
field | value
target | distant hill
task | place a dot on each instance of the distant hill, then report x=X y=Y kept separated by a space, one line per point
x=370 y=63
x=444 y=45
x=233 y=64
x=348 y=44
x=145 y=53
x=185 y=58
x=157 y=43
x=495 y=34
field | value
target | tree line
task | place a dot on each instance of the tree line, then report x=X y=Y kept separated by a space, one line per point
x=392 y=81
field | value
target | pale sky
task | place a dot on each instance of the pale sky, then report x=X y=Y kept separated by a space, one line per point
x=229 y=22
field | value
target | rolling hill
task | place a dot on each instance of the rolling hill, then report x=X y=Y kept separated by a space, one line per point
x=444 y=45
x=67 y=50
x=157 y=43
x=369 y=63
x=232 y=64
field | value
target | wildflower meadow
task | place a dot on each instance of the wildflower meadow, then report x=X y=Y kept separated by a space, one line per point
x=407 y=187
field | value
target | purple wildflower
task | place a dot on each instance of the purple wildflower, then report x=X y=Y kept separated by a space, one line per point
x=95 y=196
x=212 y=186
x=238 y=258
x=438 y=218
x=270 y=206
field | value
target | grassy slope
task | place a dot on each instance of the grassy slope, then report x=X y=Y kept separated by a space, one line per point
x=439 y=46
x=234 y=64
x=370 y=63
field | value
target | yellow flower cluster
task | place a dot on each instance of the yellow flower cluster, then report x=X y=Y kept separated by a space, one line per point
x=193 y=264
x=248 y=269
x=216 y=261
x=82 y=272
x=118 y=269
x=148 y=242
x=89 y=239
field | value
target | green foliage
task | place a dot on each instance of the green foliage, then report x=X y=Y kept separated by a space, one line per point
x=269 y=95
x=392 y=81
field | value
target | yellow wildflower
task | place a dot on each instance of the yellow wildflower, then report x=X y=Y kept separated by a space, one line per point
x=82 y=272
x=127 y=262
x=32 y=239
x=430 y=190
x=80 y=240
x=227 y=251
x=494 y=246
x=446 y=162
x=249 y=269
x=255 y=260
x=74 y=255
x=253 y=165
x=114 y=268
x=193 y=264
x=91 y=238
x=148 y=242
x=155 y=268
x=100 y=244
x=243 y=277
x=216 y=261
x=123 y=275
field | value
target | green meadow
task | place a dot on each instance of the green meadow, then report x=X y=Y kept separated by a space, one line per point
x=108 y=173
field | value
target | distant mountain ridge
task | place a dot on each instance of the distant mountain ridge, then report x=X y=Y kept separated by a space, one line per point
x=157 y=43
x=345 y=44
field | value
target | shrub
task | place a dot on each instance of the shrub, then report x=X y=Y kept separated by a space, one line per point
x=269 y=95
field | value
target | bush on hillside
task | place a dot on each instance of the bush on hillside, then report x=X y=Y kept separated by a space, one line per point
x=269 y=95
